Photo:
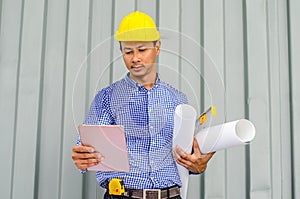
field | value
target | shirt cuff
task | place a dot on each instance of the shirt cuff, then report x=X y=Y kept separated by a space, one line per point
x=192 y=173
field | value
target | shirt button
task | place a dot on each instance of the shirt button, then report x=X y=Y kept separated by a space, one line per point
x=151 y=127
x=148 y=92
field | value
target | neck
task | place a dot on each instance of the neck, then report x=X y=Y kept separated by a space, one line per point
x=148 y=82
x=148 y=86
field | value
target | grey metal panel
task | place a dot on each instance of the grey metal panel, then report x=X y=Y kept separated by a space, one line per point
x=190 y=68
x=258 y=100
x=168 y=66
x=287 y=189
x=294 y=43
x=9 y=57
x=101 y=39
x=149 y=7
x=235 y=95
x=275 y=122
x=214 y=93
x=28 y=101
x=44 y=121
x=0 y=13
x=190 y=51
x=279 y=100
x=74 y=100
x=49 y=184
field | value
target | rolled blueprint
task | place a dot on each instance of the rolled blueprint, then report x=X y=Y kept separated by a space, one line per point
x=183 y=134
x=214 y=138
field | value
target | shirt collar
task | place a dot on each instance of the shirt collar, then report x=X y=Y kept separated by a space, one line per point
x=136 y=84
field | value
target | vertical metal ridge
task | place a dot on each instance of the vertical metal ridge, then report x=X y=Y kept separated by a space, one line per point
x=40 y=104
x=280 y=94
x=1 y=2
x=87 y=85
x=135 y=5
x=246 y=83
x=180 y=45
x=202 y=54
x=17 y=99
x=291 y=100
x=225 y=96
x=224 y=60
x=59 y=194
x=267 y=6
x=157 y=13
x=89 y=48
x=112 y=30
x=202 y=177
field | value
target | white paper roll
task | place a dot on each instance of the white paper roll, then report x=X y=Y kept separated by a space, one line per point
x=183 y=134
x=214 y=138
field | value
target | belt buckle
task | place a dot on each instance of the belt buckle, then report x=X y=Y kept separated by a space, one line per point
x=145 y=191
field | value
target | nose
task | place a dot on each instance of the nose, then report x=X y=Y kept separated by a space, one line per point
x=136 y=56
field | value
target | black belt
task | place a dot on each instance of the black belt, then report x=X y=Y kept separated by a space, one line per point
x=152 y=193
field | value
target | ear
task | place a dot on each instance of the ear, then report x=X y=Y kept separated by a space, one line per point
x=120 y=46
x=157 y=46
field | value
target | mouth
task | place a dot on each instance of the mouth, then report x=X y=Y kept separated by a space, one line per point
x=137 y=68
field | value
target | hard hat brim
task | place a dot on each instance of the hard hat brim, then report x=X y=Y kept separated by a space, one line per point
x=142 y=34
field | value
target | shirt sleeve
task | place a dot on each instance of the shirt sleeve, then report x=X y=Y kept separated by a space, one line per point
x=100 y=112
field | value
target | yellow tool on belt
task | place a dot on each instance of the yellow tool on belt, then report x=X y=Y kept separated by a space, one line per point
x=116 y=187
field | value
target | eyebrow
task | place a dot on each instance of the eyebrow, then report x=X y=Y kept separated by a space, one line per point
x=129 y=48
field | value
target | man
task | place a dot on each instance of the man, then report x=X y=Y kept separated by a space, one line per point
x=145 y=106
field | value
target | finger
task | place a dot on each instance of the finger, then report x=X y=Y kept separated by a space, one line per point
x=184 y=163
x=83 y=149
x=87 y=161
x=209 y=156
x=181 y=153
x=94 y=155
x=181 y=157
x=178 y=149
x=84 y=165
x=83 y=156
x=175 y=154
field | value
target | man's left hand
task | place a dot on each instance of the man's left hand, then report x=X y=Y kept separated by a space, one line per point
x=195 y=162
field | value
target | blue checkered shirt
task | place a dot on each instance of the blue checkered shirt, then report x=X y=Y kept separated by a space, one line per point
x=147 y=116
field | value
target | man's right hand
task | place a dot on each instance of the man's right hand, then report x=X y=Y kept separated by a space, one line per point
x=85 y=156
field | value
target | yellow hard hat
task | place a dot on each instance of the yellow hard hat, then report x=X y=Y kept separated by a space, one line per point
x=137 y=26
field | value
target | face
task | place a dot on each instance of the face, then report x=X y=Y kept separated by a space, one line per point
x=140 y=58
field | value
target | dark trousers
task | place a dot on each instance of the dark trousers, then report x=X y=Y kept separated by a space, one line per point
x=107 y=196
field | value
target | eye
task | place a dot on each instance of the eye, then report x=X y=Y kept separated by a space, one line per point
x=127 y=52
x=142 y=49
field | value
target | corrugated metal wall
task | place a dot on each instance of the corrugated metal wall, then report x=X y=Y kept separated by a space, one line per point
x=47 y=82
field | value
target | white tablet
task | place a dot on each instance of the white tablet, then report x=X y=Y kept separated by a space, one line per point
x=110 y=141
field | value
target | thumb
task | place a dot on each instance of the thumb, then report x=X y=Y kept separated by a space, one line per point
x=196 y=147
